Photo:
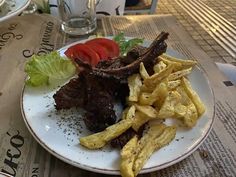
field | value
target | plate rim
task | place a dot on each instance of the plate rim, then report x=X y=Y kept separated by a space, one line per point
x=5 y=174
x=2 y=2
x=16 y=12
x=117 y=172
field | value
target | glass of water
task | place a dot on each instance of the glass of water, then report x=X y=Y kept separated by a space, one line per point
x=78 y=16
x=32 y=8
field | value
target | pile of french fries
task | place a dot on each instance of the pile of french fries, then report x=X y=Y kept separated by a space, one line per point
x=152 y=99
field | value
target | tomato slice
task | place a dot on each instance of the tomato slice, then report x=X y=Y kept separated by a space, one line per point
x=110 y=45
x=83 y=52
x=70 y=52
x=100 y=50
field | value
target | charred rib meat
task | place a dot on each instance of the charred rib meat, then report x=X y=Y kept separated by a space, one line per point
x=123 y=70
x=96 y=89
x=95 y=95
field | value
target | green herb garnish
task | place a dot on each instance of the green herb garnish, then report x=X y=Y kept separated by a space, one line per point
x=125 y=45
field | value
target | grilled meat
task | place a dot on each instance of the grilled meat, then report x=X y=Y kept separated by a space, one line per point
x=119 y=62
x=123 y=139
x=73 y=94
x=101 y=95
x=93 y=94
x=121 y=70
x=96 y=89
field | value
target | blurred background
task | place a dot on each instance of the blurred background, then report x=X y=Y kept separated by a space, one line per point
x=200 y=18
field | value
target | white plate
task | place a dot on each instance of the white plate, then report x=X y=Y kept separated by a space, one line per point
x=12 y=8
x=58 y=133
x=4 y=175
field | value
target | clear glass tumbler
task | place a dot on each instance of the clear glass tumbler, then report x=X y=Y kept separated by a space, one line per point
x=78 y=16
x=32 y=8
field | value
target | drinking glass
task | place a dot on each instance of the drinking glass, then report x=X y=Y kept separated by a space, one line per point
x=32 y=8
x=78 y=16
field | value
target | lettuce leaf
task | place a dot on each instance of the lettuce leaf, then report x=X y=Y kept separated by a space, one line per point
x=126 y=45
x=41 y=69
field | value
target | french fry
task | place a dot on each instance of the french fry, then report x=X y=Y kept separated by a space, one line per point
x=146 y=98
x=153 y=144
x=184 y=63
x=185 y=100
x=94 y=141
x=177 y=66
x=131 y=149
x=143 y=156
x=180 y=110
x=159 y=67
x=193 y=96
x=135 y=84
x=124 y=113
x=191 y=116
x=127 y=157
x=139 y=120
x=147 y=110
x=188 y=113
x=130 y=112
x=143 y=72
x=179 y=74
x=159 y=93
x=147 y=89
x=156 y=78
x=168 y=108
x=171 y=85
x=98 y=140
x=166 y=137
x=153 y=131
x=130 y=103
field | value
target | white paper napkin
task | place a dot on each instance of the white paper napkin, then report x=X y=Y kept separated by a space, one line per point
x=229 y=70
